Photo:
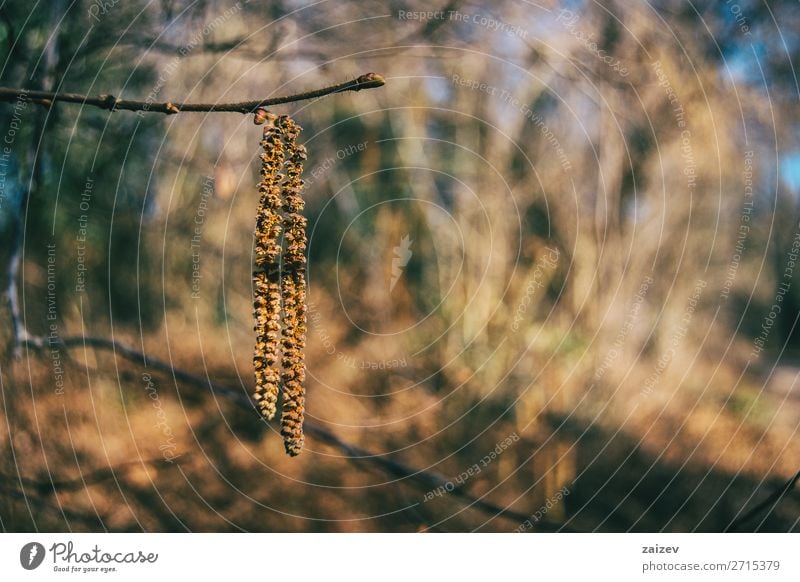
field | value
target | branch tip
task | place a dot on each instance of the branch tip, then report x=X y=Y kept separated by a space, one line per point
x=369 y=81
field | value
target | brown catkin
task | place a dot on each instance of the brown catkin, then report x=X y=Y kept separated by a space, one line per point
x=294 y=291
x=267 y=326
x=266 y=288
x=268 y=217
x=280 y=286
x=294 y=373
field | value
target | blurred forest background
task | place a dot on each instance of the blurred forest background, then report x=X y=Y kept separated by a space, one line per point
x=552 y=273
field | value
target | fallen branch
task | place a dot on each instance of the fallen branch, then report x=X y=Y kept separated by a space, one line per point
x=112 y=103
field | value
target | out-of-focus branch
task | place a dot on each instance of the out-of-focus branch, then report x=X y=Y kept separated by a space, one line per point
x=91 y=478
x=772 y=500
x=50 y=58
x=355 y=454
x=68 y=514
x=18 y=330
x=48 y=98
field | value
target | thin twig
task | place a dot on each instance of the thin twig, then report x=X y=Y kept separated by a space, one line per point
x=427 y=479
x=47 y=98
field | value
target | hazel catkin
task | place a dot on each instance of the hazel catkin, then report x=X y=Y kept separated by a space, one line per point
x=279 y=280
x=266 y=288
x=294 y=291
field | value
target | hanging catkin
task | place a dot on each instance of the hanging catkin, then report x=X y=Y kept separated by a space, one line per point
x=294 y=292
x=281 y=286
x=266 y=289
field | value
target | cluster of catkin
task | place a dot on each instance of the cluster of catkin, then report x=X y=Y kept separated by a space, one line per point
x=279 y=280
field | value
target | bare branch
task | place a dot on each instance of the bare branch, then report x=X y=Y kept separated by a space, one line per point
x=47 y=98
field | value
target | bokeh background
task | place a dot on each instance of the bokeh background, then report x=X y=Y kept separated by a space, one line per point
x=553 y=267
